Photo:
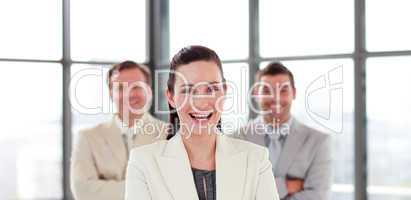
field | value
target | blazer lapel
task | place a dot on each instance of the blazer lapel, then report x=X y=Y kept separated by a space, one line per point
x=291 y=148
x=175 y=168
x=231 y=168
x=112 y=136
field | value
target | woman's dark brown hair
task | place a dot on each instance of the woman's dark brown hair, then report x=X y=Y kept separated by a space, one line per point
x=185 y=56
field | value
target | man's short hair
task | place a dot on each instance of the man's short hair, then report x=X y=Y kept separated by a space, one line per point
x=275 y=68
x=117 y=68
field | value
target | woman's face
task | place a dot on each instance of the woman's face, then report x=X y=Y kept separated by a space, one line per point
x=198 y=96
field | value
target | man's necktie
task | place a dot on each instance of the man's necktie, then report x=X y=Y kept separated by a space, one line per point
x=274 y=145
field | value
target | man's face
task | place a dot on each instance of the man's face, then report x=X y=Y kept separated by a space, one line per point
x=130 y=92
x=274 y=96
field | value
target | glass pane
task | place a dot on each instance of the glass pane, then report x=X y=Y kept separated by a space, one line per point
x=387 y=28
x=196 y=22
x=89 y=96
x=325 y=101
x=110 y=30
x=291 y=28
x=31 y=29
x=235 y=107
x=30 y=139
x=388 y=104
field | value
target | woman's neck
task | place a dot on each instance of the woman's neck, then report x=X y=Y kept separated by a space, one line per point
x=201 y=150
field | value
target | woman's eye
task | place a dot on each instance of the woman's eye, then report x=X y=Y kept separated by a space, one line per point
x=212 y=89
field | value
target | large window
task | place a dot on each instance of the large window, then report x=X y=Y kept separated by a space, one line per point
x=388 y=99
x=387 y=28
x=109 y=30
x=219 y=25
x=30 y=139
x=388 y=104
x=292 y=27
x=30 y=29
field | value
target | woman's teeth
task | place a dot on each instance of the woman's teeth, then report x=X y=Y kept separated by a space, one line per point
x=200 y=116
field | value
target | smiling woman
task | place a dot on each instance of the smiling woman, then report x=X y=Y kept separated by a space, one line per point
x=194 y=73
x=197 y=161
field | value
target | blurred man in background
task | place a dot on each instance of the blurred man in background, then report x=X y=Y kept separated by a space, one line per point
x=301 y=156
x=100 y=155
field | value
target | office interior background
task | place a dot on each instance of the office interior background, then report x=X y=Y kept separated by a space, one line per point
x=351 y=60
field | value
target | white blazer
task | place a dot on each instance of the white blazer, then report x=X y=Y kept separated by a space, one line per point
x=99 y=159
x=162 y=171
